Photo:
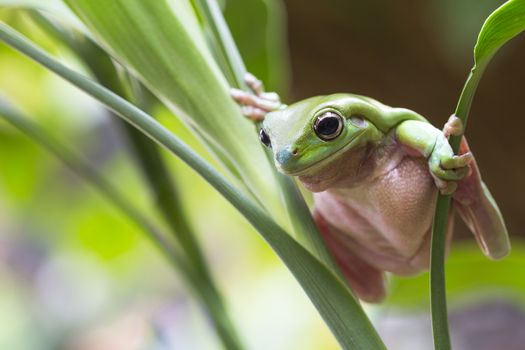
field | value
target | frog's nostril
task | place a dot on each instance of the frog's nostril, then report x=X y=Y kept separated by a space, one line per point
x=284 y=155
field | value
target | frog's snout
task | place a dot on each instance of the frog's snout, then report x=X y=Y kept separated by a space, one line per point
x=284 y=155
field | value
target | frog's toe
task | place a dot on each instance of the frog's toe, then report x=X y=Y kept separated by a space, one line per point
x=270 y=96
x=260 y=102
x=448 y=174
x=257 y=88
x=257 y=103
x=253 y=113
x=247 y=99
x=451 y=174
x=455 y=162
x=238 y=96
x=254 y=84
x=453 y=127
x=445 y=187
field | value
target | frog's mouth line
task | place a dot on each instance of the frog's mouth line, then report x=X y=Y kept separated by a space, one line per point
x=321 y=163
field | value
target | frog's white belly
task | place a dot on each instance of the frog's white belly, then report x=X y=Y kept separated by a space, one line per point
x=385 y=221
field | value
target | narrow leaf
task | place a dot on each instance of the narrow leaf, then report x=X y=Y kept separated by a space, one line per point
x=501 y=26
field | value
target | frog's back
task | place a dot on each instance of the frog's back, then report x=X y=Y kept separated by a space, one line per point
x=381 y=115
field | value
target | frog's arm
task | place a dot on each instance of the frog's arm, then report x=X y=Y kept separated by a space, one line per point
x=418 y=135
x=386 y=118
x=472 y=198
x=423 y=138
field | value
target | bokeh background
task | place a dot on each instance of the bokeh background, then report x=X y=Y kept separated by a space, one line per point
x=75 y=274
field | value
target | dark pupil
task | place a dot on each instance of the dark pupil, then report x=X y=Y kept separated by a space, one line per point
x=327 y=126
x=265 y=139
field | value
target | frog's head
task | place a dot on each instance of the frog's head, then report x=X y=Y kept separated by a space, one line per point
x=313 y=134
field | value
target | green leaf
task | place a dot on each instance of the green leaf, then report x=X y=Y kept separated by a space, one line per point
x=162 y=43
x=332 y=298
x=501 y=26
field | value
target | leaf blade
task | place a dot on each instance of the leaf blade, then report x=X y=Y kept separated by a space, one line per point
x=502 y=25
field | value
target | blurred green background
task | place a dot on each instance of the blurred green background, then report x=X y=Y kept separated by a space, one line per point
x=75 y=274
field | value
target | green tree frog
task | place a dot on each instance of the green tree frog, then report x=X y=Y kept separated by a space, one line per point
x=374 y=171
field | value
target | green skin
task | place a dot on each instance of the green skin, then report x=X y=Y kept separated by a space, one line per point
x=375 y=184
x=292 y=129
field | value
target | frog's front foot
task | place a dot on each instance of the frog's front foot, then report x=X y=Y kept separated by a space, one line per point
x=257 y=103
x=453 y=127
x=446 y=167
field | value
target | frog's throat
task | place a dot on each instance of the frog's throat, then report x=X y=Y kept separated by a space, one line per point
x=313 y=168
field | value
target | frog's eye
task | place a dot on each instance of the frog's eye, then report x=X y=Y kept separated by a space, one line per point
x=265 y=139
x=328 y=126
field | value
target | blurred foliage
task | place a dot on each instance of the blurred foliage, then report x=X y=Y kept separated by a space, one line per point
x=259 y=30
x=458 y=31
x=470 y=277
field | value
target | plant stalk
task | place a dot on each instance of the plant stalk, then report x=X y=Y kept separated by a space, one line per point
x=438 y=300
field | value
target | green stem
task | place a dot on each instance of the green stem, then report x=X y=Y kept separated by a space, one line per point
x=466 y=97
x=438 y=300
x=342 y=313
